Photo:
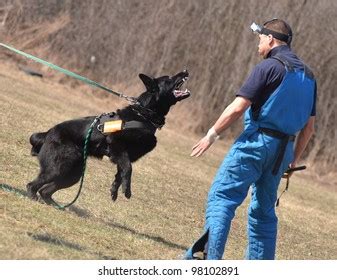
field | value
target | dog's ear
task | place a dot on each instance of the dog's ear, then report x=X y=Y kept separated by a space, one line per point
x=149 y=82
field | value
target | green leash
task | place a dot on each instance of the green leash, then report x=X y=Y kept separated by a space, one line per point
x=69 y=73
x=85 y=156
x=8 y=188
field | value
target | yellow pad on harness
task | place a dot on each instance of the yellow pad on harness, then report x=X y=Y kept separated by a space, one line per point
x=112 y=126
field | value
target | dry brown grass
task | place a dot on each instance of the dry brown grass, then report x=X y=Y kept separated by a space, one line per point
x=165 y=214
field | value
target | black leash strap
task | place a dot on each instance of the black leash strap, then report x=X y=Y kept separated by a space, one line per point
x=286 y=175
x=281 y=150
x=285 y=138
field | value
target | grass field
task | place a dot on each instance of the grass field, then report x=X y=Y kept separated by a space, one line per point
x=165 y=214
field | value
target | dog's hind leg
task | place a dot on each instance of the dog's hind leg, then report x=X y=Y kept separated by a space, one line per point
x=47 y=191
x=35 y=185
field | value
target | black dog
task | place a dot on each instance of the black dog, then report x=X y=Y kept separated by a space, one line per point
x=60 y=149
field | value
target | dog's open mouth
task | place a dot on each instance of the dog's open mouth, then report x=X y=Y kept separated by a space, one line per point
x=178 y=92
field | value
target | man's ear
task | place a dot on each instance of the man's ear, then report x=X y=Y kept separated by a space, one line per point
x=149 y=83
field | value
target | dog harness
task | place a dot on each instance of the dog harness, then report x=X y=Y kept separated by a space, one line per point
x=110 y=123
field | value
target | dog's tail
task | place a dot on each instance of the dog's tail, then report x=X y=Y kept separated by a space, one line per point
x=37 y=140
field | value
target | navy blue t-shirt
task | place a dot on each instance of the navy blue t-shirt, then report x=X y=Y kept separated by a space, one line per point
x=267 y=76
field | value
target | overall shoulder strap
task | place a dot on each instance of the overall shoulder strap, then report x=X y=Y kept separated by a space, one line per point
x=308 y=73
x=287 y=64
x=289 y=68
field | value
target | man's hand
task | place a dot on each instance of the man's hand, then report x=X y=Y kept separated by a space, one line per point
x=204 y=143
x=288 y=174
x=292 y=168
x=293 y=164
x=201 y=147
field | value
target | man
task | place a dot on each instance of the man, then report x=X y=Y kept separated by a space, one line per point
x=278 y=99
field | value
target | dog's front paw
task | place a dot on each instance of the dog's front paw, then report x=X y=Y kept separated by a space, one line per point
x=114 y=189
x=128 y=195
x=114 y=195
x=127 y=192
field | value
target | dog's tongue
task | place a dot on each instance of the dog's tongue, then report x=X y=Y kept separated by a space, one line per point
x=179 y=93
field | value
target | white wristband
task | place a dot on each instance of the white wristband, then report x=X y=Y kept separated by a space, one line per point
x=212 y=135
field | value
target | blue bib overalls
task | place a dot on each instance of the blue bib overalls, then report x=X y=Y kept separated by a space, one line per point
x=251 y=162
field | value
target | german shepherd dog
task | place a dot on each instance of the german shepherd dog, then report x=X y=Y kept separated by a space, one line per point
x=60 y=149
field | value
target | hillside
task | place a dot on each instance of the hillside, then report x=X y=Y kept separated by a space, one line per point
x=165 y=214
x=113 y=41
